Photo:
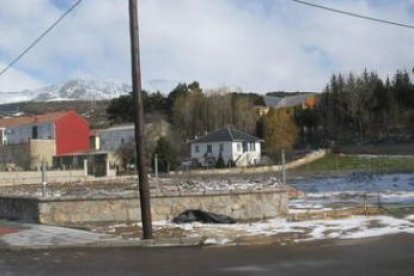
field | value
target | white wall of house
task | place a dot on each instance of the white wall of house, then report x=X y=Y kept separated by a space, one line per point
x=200 y=151
x=22 y=134
x=250 y=153
x=112 y=138
x=246 y=153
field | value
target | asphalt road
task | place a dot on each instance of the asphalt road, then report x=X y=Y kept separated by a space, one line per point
x=393 y=255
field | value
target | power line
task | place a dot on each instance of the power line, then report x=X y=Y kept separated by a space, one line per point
x=39 y=38
x=354 y=14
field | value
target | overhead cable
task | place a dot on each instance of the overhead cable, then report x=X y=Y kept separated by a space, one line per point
x=39 y=38
x=379 y=20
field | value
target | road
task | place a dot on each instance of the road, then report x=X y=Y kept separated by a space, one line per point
x=393 y=255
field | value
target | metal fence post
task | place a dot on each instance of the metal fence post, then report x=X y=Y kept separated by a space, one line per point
x=43 y=179
x=156 y=166
x=283 y=167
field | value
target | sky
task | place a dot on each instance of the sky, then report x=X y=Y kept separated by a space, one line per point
x=252 y=45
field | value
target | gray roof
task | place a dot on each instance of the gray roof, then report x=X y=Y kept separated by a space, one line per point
x=272 y=101
x=119 y=127
x=226 y=135
x=283 y=102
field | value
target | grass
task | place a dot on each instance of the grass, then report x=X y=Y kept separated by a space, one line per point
x=340 y=162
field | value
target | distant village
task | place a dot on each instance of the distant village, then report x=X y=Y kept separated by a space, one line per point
x=64 y=140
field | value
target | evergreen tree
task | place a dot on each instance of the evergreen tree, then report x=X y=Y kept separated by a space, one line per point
x=166 y=154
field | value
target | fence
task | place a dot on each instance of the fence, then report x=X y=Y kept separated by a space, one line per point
x=361 y=204
x=311 y=157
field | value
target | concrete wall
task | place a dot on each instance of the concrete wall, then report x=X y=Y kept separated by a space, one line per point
x=112 y=138
x=28 y=155
x=16 y=155
x=42 y=150
x=72 y=212
x=35 y=177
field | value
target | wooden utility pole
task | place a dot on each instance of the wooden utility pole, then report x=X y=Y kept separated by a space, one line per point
x=141 y=162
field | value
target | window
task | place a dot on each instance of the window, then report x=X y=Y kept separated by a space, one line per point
x=35 y=132
x=221 y=148
x=197 y=148
x=239 y=147
x=209 y=148
x=252 y=146
x=245 y=146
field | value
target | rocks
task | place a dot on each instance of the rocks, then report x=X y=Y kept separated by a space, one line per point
x=229 y=184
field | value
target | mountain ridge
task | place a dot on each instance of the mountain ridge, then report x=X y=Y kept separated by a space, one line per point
x=76 y=89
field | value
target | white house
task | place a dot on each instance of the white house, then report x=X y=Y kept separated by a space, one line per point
x=233 y=145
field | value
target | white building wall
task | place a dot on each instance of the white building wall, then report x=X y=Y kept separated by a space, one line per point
x=111 y=139
x=22 y=134
x=231 y=151
x=201 y=154
x=237 y=150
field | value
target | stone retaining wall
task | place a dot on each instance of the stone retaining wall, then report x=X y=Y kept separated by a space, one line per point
x=72 y=212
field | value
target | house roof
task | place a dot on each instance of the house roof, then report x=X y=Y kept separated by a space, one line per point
x=226 y=135
x=37 y=119
x=290 y=101
x=118 y=128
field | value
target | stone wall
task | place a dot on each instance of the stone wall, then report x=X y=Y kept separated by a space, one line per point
x=73 y=212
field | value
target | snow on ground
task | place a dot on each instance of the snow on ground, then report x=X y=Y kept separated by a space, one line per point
x=322 y=195
x=410 y=217
x=349 y=228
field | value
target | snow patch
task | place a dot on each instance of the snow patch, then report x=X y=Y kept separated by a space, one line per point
x=351 y=228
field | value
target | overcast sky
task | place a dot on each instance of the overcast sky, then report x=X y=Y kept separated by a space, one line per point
x=256 y=45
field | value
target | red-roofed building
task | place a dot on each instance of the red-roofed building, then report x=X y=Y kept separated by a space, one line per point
x=59 y=133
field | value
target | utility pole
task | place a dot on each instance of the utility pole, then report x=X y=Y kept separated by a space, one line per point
x=141 y=162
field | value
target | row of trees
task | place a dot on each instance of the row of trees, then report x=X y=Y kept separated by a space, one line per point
x=195 y=112
x=366 y=108
x=352 y=108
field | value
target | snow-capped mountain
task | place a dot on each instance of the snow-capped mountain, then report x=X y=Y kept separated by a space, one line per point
x=71 y=90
